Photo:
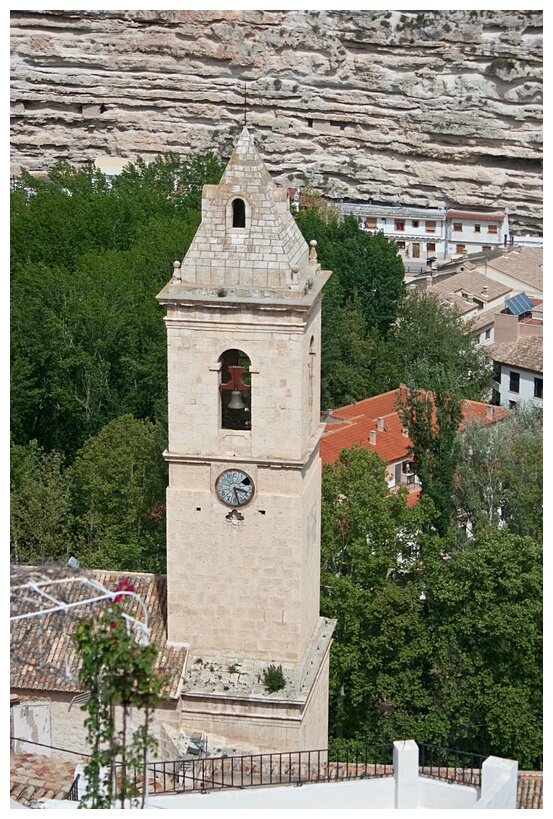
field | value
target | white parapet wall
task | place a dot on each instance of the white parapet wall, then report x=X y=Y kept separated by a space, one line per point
x=499 y=783
x=404 y=790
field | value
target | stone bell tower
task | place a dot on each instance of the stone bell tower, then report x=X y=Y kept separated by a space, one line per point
x=243 y=502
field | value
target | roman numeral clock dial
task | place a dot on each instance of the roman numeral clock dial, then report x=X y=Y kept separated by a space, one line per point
x=234 y=488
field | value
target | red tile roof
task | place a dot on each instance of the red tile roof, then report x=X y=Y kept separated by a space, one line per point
x=352 y=424
x=44 y=656
x=478 y=217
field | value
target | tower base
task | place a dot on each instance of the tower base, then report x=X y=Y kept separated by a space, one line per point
x=226 y=696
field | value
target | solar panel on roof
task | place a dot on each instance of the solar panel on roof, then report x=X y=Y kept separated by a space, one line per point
x=519 y=304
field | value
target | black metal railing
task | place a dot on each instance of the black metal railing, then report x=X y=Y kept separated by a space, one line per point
x=460 y=767
x=72 y=794
x=257 y=770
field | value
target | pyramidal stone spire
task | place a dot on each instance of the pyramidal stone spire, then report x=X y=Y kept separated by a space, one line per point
x=247 y=237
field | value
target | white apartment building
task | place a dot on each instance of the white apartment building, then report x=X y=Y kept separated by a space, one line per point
x=434 y=234
x=476 y=231
x=420 y=233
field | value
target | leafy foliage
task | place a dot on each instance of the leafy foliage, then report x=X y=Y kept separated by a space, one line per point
x=443 y=646
x=118 y=486
x=40 y=520
x=429 y=342
x=371 y=548
x=485 y=615
x=433 y=421
x=118 y=672
x=273 y=678
x=88 y=257
x=500 y=474
x=359 y=304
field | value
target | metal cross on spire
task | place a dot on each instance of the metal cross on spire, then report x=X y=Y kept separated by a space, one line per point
x=245 y=104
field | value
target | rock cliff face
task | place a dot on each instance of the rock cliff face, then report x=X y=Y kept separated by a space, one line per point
x=433 y=107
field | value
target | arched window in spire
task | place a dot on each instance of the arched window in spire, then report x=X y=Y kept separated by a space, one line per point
x=235 y=390
x=238 y=213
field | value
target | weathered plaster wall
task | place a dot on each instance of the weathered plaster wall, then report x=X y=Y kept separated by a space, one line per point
x=426 y=107
x=67 y=730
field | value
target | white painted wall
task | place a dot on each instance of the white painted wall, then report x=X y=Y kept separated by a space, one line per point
x=526 y=386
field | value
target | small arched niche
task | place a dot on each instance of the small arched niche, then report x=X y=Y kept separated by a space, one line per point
x=235 y=390
x=238 y=213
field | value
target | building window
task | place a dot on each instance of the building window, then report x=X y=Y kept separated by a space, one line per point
x=431 y=246
x=488 y=334
x=235 y=390
x=512 y=405
x=477 y=228
x=309 y=123
x=514 y=382
x=538 y=387
x=459 y=248
x=457 y=227
x=486 y=248
x=238 y=213
x=400 y=245
x=370 y=222
x=492 y=228
x=399 y=224
x=430 y=226
x=415 y=223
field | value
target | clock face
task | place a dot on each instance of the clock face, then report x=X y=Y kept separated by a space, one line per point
x=234 y=487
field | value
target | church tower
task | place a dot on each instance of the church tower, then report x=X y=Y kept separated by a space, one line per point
x=243 y=502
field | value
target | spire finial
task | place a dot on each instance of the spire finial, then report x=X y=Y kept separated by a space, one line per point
x=245 y=103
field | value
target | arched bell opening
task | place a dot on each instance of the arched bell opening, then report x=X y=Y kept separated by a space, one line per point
x=235 y=390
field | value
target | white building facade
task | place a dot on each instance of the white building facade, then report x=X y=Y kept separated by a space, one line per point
x=433 y=234
x=518 y=372
x=420 y=233
x=476 y=231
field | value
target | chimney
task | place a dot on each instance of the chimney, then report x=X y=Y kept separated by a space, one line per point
x=380 y=424
x=404 y=432
x=428 y=280
x=372 y=437
x=490 y=412
x=470 y=298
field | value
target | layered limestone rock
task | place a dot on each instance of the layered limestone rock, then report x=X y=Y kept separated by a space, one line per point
x=433 y=107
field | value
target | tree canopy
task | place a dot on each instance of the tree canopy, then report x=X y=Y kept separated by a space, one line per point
x=432 y=641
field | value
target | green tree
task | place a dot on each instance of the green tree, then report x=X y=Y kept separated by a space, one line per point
x=366 y=265
x=484 y=610
x=500 y=473
x=372 y=545
x=88 y=257
x=40 y=505
x=428 y=340
x=359 y=304
x=432 y=419
x=118 y=488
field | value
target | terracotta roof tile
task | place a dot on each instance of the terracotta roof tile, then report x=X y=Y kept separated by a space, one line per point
x=57 y=670
x=526 y=353
x=471 y=281
x=352 y=425
x=34 y=776
x=490 y=216
x=525 y=264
